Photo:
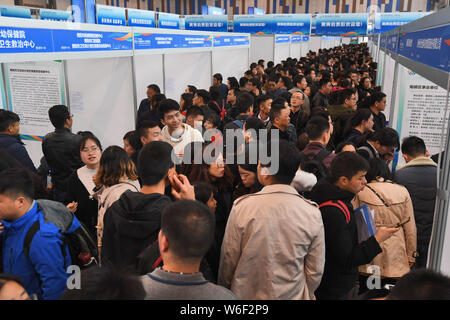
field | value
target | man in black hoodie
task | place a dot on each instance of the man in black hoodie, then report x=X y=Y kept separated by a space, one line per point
x=343 y=253
x=132 y=223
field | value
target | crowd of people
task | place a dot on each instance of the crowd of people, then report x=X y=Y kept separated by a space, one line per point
x=188 y=209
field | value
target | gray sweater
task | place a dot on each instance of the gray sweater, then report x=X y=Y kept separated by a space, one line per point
x=164 y=285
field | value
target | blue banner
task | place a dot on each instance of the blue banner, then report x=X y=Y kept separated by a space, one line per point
x=430 y=47
x=78 y=11
x=168 y=20
x=206 y=23
x=80 y=40
x=21 y=40
x=146 y=41
x=111 y=15
x=55 y=15
x=392 y=42
x=254 y=10
x=208 y=10
x=344 y=25
x=282 y=39
x=388 y=21
x=295 y=39
x=141 y=18
x=273 y=24
x=15 y=12
x=90 y=11
x=226 y=41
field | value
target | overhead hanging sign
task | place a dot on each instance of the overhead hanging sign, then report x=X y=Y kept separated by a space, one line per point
x=141 y=18
x=430 y=47
x=148 y=41
x=111 y=15
x=227 y=41
x=344 y=25
x=282 y=39
x=168 y=20
x=388 y=21
x=206 y=23
x=273 y=24
x=15 y=12
x=254 y=10
x=55 y=15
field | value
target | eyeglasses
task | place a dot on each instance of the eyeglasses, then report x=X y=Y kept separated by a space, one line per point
x=93 y=149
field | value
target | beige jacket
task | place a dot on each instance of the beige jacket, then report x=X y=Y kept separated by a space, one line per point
x=399 y=250
x=106 y=197
x=274 y=246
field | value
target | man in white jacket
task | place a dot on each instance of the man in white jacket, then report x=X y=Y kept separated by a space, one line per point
x=175 y=132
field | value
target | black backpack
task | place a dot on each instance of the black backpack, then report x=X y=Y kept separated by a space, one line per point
x=314 y=164
x=82 y=247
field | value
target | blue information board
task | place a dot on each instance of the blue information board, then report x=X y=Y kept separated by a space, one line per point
x=273 y=24
x=206 y=23
x=282 y=39
x=141 y=18
x=295 y=39
x=430 y=47
x=388 y=21
x=15 y=12
x=22 y=40
x=147 y=41
x=78 y=11
x=111 y=15
x=80 y=40
x=343 y=25
x=55 y=15
x=168 y=20
x=90 y=11
x=227 y=41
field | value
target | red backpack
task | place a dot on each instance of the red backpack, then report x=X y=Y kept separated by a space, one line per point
x=340 y=205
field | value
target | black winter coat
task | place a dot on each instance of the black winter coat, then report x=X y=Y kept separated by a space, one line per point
x=343 y=252
x=131 y=224
x=15 y=147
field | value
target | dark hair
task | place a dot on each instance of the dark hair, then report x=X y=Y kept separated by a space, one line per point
x=214 y=119
x=248 y=73
x=107 y=283
x=234 y=84
x=204 y=95
x=156 y=101
x=192 y=89
x=414 y=146
x=244 y=101
x=270 y=64
x=155 y=88
x=16 y=182
x=203 y=191
x=261 y=99
x=377 y=96
x=275 y=110
x=322 y=83
x=286 y=95
x=144 y=125
x=58 y=115
x=341 y=146
x=421 y=284
x=298 y=79
x=166 y=106
x=7 y=118
x=114 y=164
x=242 y=82
x=359 y=116
x=189 y=228
x=218 y=76
x=187 y=97
x=347 y=164
x=134 y=139
x=289 y=161
x=154 y=160
x=254 y=123
x=214 y=93
x=386 y=137
x=87 y=137
x=5 y=278
x=345 y=94
x=378 y=169
x=194 y=112
x=287 y=82
x=316 y=126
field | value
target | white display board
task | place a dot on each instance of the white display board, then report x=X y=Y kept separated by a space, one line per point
x=296 y=50
x=445 y=261
x=230 y=62
x=282 y=52
x=419 y=110
x=148 y=69
x=315 y=43
x=101 y=97
x=2 y=91
x=32 y=89
x=346 y=40
x=182 y=69
x=262 y=47
x=380 y=73
x=388 y=83
x=304 y=49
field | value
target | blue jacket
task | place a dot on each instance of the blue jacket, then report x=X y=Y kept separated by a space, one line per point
x=46 y=262
x=14 y=146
